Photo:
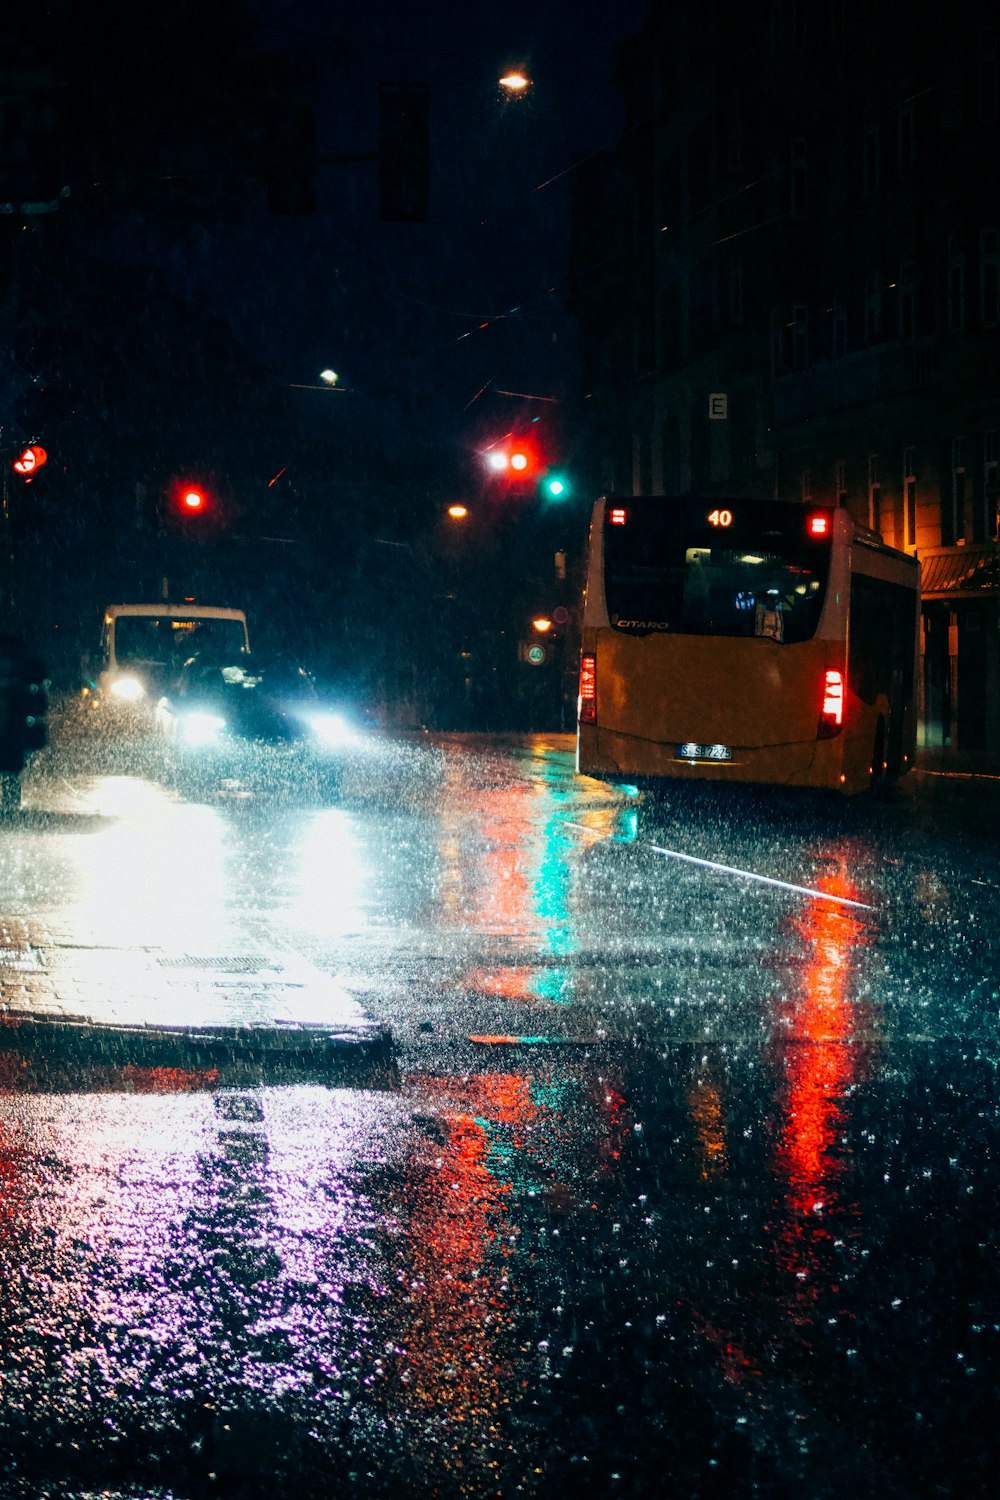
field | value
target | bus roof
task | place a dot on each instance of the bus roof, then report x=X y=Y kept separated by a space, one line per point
x=176 y=611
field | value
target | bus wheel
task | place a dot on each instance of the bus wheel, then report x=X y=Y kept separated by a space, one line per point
x=879 y=779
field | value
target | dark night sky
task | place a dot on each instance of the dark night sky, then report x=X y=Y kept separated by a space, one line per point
x=397 y=309
x=427 y=324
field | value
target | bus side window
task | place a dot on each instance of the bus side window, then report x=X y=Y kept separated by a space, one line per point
x=880 y=614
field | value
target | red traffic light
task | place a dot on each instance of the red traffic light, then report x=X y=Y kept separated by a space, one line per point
x=30 y=461
x=513 y=460
x=190 y=497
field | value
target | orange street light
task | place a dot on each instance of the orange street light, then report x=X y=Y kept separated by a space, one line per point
x=458 y=512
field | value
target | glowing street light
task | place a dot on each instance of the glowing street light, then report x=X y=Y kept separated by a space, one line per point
x=515 y=82
x=329 y=377
x=458 y=512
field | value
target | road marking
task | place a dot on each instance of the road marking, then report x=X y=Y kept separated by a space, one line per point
x=958 y=775
x=532 y=1041
x=711 y=864
x=782 y=885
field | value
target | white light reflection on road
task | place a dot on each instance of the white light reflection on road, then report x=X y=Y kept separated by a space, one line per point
x=156 y=875
x=328 y=897
x=179 y=1240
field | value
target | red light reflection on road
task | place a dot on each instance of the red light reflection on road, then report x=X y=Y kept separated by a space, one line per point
x=821 y=1059
x=499 y=1144
x=456 y=1361
x=824 y=1051
x=705 y=1103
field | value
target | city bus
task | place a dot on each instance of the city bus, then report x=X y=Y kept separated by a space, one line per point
x=746 y=641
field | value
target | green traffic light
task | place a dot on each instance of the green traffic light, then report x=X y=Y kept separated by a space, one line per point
x=556 y=487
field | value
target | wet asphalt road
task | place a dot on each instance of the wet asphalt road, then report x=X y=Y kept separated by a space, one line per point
x=678 y=1178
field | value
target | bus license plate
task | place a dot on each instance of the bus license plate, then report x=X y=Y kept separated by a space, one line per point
x=691 y=751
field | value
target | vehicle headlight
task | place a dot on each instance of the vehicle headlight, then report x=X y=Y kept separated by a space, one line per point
x=202 y=728
x=330 y=729
x=129 y=689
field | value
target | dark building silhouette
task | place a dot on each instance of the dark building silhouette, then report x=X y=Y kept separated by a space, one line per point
x=787 y=278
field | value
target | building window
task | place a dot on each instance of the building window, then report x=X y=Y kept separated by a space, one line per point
x=991 y=483
x=643 y=463
x=787 y=24
x=669 y=211
x=874 y=494
x=797 y=178
x=956 y=284
x=800 y=336
x=953 y=503
x=732 y=154
x=873 y=308
x=781 y=340
x=736 y=290
x=805 y=481
x=909 y=499
x=701 y=453
x=989 y=277
x=703 y=303
x=838 y=331
x=671 y=456
x=872 y=173
x=797 y=23
x=906 y=135
x=988 y=92
x=906 y=300
x=670 y=325
x=840 y=481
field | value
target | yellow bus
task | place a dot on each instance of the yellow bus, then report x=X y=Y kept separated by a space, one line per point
x=746 y=641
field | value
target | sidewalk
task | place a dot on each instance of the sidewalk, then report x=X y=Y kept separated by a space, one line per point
x=964 y=764
x=157 y=1008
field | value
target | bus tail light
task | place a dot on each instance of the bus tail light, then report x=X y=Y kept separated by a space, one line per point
x=831 y=717
x=588 y=690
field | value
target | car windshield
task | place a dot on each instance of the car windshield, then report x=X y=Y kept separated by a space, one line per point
x=164 y=640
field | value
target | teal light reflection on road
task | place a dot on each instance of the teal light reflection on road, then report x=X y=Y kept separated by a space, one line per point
x=550 y=896
x=628 y=826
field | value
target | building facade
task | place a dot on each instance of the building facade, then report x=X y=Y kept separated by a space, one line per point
x=787 y=280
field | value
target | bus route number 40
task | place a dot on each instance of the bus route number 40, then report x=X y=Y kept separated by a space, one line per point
x=720 y=518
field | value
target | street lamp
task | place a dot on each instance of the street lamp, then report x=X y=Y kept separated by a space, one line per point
x=329 y=377
x=458 y=512
x=515 y=82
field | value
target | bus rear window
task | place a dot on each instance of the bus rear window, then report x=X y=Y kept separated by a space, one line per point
x=668 y=568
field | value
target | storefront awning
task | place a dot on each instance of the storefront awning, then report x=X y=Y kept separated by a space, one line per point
x=960 y=572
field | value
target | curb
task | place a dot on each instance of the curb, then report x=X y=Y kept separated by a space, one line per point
x=265 y=1054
